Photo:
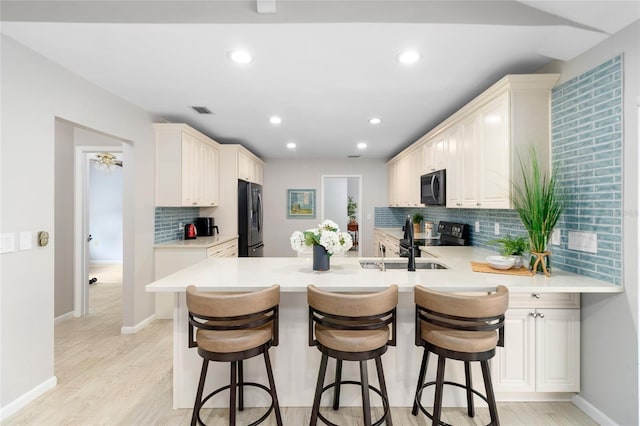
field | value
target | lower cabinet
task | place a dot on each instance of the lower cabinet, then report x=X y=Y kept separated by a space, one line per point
x=391 y=244
x=173 y=258
x=542 y=344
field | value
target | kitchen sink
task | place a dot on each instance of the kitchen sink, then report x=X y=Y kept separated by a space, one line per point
x=371 y=264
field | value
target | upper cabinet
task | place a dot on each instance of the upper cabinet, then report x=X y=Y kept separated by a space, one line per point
x=480 y=145
x=187 y=167
x=250 y=167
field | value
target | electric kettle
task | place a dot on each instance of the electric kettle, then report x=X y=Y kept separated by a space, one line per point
x=190 y=232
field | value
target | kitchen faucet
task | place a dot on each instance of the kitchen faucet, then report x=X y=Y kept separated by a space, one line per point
x=408 y=235
x=382 y=250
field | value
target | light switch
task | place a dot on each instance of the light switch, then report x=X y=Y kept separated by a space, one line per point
x=555 y=237
x=25 y=240
x=7 y=243
x=477 y=226
x=583 y=241
x=496 y=228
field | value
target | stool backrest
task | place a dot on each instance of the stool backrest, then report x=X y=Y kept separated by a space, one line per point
x=352 y=311
x=233 y=311
x=461 y=312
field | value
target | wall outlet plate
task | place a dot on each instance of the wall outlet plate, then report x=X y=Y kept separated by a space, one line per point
x=496 y=228
x=477 y=226
x=583 y=241
x=555 y=237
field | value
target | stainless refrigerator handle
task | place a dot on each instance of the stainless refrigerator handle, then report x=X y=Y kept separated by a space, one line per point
x=259 y=211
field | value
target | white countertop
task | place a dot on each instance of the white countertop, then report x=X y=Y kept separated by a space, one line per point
x=399 y=234
x=293 y=274
x=199 y=243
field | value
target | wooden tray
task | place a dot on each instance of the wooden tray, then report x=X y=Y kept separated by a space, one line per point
x=484 y=267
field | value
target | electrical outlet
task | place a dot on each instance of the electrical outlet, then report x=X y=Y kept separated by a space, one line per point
x=496 y=228
x=477 y=226
x=555 y=237
x=181 y=226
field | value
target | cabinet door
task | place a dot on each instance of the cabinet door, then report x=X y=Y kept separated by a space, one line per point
x=439 y=153
x=427 y=154
x=189 y=174
x=558 y=350
x=454 y=168
x=258 y=172
x=392 y=184
x=245 y=167
x=209 y=175
x=494 y=177
x=512 y=368
x=468 y=152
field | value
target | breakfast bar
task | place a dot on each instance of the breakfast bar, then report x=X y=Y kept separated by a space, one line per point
x=295 y=364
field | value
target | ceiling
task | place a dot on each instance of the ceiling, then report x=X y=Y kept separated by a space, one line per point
x=324 y=67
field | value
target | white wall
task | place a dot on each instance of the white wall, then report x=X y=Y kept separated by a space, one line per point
x=334 y=199
x=283 y=174
x=609 y=348
x=34 y=91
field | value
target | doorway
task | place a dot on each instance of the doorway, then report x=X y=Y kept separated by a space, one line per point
x=341 y=201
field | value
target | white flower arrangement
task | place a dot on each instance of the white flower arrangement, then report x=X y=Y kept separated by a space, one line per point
x=327 y=234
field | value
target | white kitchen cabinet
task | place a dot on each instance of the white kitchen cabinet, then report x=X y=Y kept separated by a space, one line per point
x=186 y=167
x=480 y=145
x=404 y=180
x=174 y=256
x=249 y=168
x=542 y=344
x=392 y=245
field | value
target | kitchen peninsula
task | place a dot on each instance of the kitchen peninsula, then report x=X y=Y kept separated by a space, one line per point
x=295 y=364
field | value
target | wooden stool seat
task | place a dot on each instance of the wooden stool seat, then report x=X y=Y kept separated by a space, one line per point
x=352 y=327
x=233 y=327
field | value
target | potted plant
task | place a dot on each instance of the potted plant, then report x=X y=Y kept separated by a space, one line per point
x=352 y=209
x=417 y=219
x=539 y=203
x=514 y=247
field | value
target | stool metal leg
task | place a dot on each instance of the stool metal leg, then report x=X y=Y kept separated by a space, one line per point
x=272 y=386
x=437 y=402
x=383 y=389
x=336 y=390
x=467 y=373
x=491 y=399
x=240 y=387
x=198 y=404
x=364 y=379
x=232 y=394
x=423 y=372
x=319 y=385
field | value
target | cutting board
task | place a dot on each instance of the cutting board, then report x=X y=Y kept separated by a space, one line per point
x=484 y=267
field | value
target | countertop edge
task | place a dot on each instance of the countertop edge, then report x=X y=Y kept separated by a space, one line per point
x=198 y=243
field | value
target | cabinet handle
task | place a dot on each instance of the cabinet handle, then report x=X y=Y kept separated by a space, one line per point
x=478 y=204
x=540 y=315
x=533 y=314
x=536 y=295
x=194 y=204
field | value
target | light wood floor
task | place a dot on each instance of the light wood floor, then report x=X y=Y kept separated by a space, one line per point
x=105 y=378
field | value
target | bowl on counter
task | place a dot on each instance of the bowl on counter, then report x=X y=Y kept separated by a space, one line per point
x=501 y=262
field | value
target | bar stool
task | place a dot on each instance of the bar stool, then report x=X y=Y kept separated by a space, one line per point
x=352 y=327
x=232 y=327
x=463 y=328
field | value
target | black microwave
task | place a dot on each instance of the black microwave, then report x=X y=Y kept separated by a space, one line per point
x=433 y=188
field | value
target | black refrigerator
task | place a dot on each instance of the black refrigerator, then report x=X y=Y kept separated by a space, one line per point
x=249 y=219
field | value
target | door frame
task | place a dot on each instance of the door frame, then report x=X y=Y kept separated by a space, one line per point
x=81 y=224
x=358 y=215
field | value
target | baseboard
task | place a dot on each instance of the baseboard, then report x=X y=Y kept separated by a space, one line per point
x=105 y=262
x=142 y=324
x=62 y=318
x=591 y=411
x=18 y=404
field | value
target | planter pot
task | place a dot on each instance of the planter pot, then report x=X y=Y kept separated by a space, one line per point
x=518 y=259
x=320 y=258
x=417 y=228
x=540 y=262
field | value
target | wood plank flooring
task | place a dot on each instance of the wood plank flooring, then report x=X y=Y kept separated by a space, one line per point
x=106 y=378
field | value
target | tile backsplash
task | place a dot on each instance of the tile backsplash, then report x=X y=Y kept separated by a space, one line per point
x=169 y=218
x=587 y=140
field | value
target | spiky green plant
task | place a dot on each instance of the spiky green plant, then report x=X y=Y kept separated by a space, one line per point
x=538 y=201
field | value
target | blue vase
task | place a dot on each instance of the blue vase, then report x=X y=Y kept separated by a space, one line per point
x=320 y=258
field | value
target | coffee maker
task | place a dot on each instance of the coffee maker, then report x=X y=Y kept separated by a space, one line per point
x=206 y=226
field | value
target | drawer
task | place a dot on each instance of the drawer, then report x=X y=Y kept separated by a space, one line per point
x=215 y=251
x=544 y=300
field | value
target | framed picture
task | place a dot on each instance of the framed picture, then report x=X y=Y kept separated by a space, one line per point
x=301 y=203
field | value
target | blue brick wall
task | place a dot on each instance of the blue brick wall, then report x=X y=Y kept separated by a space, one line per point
x=168 y=220
x=586 y=127
x=587 y=139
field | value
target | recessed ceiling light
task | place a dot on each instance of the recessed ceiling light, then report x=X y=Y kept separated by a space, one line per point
x=409 y=57
x=275 y=120
x=375 y=120
x=291 y=145
x=240 y=56
x=362 y=145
